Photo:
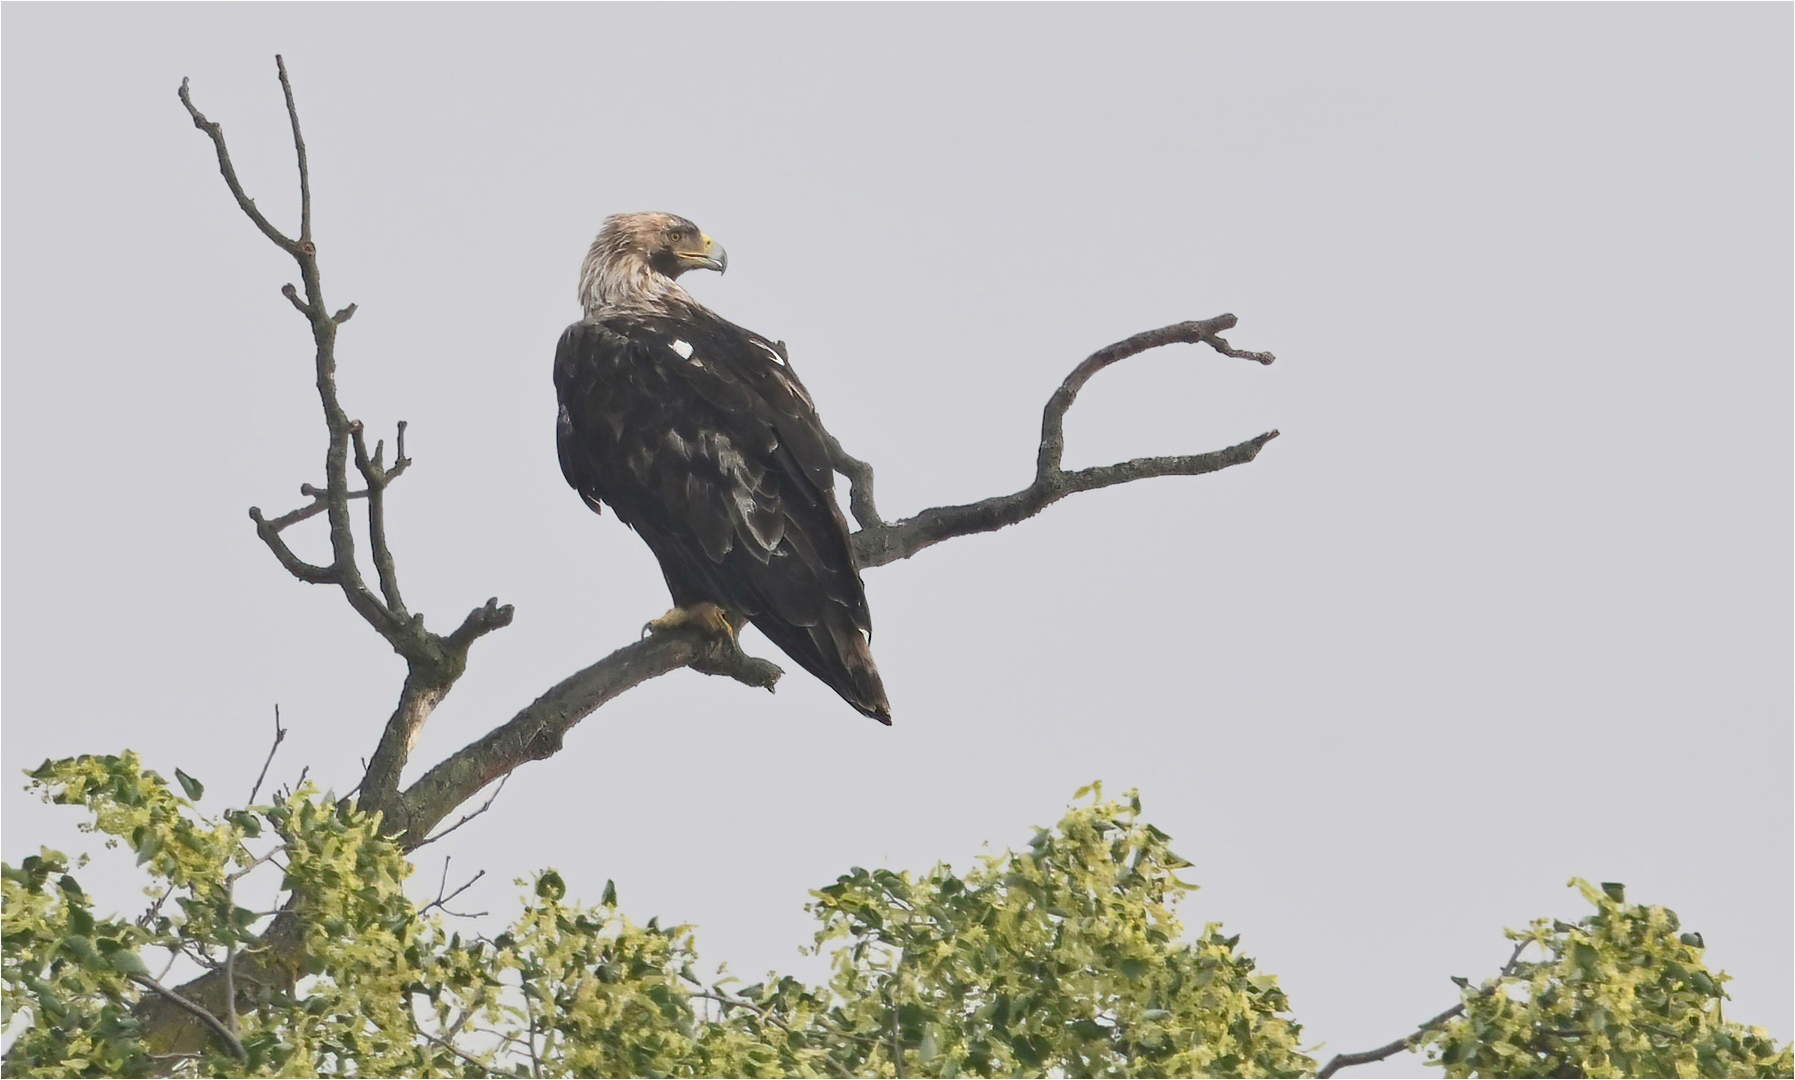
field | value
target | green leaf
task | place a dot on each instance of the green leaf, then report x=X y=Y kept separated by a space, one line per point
x=148 y=847
x=128 y=962
x=549 y=885
x=192 y=787
x=1616 y=891
x=610 y=897
x=81 y=946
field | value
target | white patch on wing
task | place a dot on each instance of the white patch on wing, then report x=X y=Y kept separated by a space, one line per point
x=683 y=349
x=679 y=445
x=771 y=353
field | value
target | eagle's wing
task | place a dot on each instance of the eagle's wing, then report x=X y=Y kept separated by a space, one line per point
x=698 y=435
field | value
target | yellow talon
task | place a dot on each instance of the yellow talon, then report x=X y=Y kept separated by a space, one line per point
x=707 y=617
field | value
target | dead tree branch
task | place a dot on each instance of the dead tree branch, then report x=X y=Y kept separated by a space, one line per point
x=877 y=544
x=1407 y=1042
x=436 y=661
x=280 y=735
x=537 y=731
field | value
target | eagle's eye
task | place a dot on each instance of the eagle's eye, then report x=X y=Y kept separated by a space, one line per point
x=676 y=235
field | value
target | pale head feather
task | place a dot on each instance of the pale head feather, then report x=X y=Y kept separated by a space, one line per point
x=617 y=274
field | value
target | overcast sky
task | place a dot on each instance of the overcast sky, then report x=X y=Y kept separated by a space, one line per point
x=1509 y=601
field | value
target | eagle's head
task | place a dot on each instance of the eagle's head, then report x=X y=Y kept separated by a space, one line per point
x=636 y=259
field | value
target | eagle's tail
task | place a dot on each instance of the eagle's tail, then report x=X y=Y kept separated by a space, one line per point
x=840 y=656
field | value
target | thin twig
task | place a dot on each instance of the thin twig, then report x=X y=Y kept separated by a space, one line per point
x=280 y=733
x=1407 y=1042
x=530 y=1011
x=305 y=182
x=897 y=1045
x=244 y=202
x=244 y=870
x=442 y=901
x=230 y=959
x=377 y=480
x=465 y=818
x=205 y=1017
x=155 y=909
x=453 y=1049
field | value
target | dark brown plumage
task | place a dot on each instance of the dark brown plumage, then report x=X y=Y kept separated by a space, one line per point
x=700 y=436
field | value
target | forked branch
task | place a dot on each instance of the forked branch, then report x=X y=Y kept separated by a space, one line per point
x=434 y=661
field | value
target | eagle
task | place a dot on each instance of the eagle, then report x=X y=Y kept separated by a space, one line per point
x=698 y=434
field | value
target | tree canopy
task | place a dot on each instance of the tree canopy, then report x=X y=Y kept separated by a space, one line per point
x=1065 y=957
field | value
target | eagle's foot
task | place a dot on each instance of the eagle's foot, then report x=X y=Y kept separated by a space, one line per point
x=705 y=617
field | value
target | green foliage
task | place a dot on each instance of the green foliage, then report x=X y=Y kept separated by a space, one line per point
x=1065 y=958
x=1621 y=993
x=1062 y=958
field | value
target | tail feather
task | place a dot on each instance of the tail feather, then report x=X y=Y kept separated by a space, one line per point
x=840 y=657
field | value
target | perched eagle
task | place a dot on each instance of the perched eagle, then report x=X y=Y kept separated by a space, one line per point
x=701 y=438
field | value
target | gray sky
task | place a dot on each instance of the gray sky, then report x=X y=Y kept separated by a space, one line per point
x=1509 y=600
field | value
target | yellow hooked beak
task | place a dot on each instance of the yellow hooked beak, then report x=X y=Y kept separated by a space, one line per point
x=712 y=257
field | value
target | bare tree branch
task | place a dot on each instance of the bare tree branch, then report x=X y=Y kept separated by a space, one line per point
x=269 y=531
x=376 y=477
x=888 y=543
x=537 y=731
x=1407 y=1042
x=434 y=662
x=244 y=202
x=878 y=543
x=860 y=483
x=280 y=735
x=442 y=901
x=305 y=179
x=199 y=1012
x=319 y=497
x=465 y=818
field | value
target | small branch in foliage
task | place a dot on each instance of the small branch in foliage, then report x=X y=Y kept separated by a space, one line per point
x=465 y=818
x=280 y=734
x=482 y=1067
x=200 y=1012
x=442 y=900
x=1407 y=1042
